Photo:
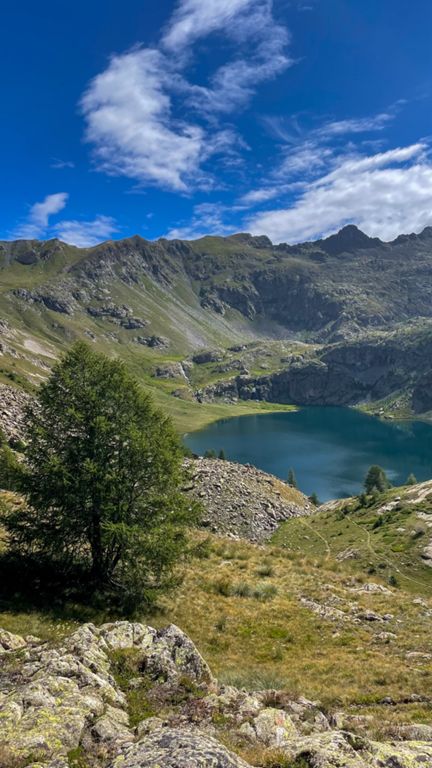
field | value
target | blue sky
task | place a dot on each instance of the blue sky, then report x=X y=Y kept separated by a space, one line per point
x=288 y=118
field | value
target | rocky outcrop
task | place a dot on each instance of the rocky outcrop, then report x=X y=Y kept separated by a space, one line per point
x=154 y=342
x=241 y=501
x=178 y=748
x=53 y=700
x=68 y=699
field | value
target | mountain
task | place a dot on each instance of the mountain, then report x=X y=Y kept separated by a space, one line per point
x=345 y=319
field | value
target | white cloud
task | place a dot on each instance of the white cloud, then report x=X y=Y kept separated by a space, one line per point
x=134 y=110
x=355 y=125
x=85 y=234
x=207 y=219
x=129 y=120
x=197 y=18
x=234 y=83
x=384 y=194
x=256 y=196
x=39 y=215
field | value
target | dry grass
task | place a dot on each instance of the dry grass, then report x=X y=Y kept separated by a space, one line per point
x=280 y=643
x=271 y=640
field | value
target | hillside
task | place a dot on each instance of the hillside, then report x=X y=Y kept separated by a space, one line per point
x=313 y=658
x=345 y=320
x=389 y=535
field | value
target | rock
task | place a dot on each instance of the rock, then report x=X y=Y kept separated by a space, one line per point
x=147 y=726
x=348 y=554
x=404 y=755
x=178 y=748
x=10 y=642
x=415 y=732
x=372 y=588
x=325 y=611
x=370 y=616
x=111 y=729
x=170 y=371
x=208 y=356
x=385 y=637
x=335 y=749
x=158 y=342
x=174 y=656
x=66 y=696
x=133 y=323
x=273 y=728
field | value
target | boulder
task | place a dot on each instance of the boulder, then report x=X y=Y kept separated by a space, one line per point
x=272 y=728
x=178 y=748
x=10 y=642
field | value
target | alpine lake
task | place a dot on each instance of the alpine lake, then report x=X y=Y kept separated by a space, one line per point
x=330 y=449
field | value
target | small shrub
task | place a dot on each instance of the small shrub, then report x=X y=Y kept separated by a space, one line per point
x=265 y=592
x=264 y=570
x=279 y=759
x=222 y=587
x=202 y=551
x=242 y=589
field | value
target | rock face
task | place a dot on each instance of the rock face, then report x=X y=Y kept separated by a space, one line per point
x=61 y=700
x=241 y=501
x=346 y=373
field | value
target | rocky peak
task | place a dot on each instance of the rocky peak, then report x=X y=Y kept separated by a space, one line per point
x=258 y=241
x=349 y=238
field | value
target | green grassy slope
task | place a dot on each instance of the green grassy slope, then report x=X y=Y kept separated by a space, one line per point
x=387 y=537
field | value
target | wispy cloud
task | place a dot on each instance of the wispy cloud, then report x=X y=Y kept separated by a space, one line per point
x=307 y=155
x=134 y=110
x=193 y=19
x=207 y=219
x=384 y=194
x=233 y=84
x=355 y=125
x=85 y=234
x=59 y=164
x=39 y=215
x=38 y=224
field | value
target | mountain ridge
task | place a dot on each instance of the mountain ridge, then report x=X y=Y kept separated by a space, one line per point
x=159 y=302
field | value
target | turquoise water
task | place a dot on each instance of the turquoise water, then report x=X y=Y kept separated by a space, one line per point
x=330 y=449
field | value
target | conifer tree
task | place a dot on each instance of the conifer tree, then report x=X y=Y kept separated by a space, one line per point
x=104 y=469
x=376 y=480
x=292 y=478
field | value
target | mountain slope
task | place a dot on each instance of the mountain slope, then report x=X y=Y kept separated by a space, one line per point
x=390 y=536
x=343 y=320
